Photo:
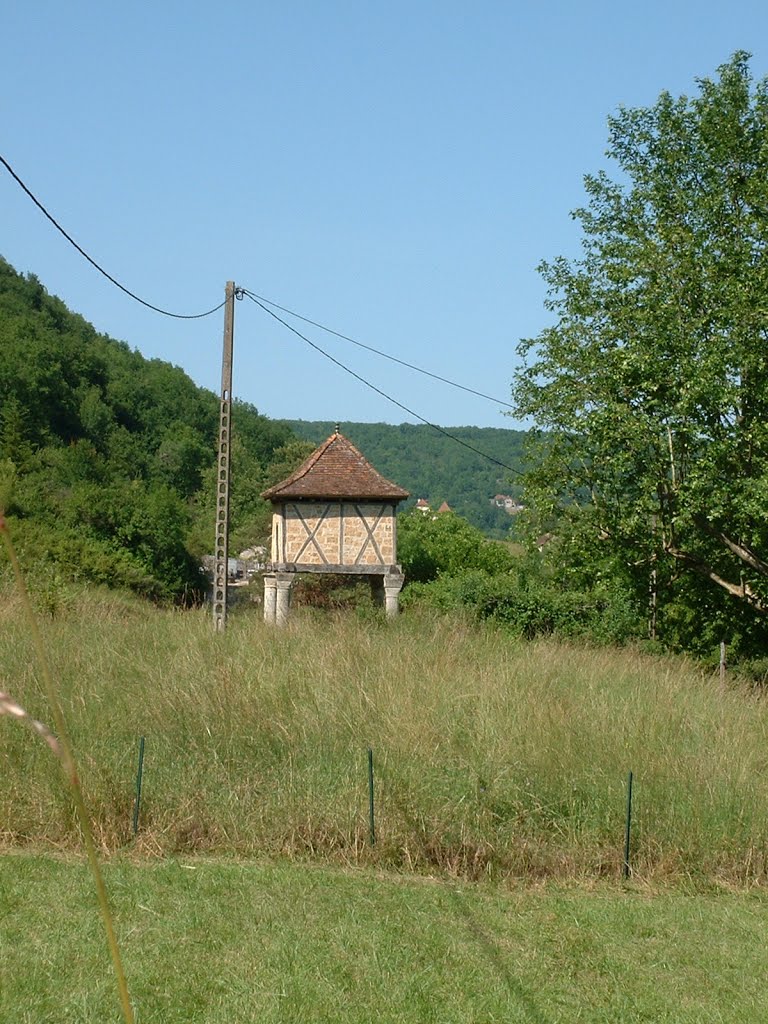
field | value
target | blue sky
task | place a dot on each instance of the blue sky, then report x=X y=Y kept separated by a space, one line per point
x=394 y=171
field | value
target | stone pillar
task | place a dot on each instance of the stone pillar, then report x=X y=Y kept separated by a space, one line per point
x=393 y=584
x=283 y=585
x=270 y=599
x=386 y=591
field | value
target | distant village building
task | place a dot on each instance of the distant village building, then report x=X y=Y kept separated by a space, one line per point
x=510 y=505
x=423 y=505
x=334 y=514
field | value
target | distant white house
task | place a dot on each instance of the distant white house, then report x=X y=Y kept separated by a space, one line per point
x=510 y=505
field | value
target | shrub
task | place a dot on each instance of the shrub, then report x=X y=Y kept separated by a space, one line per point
x=529 y=604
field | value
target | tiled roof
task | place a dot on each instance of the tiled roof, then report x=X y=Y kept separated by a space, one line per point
x=338 y=471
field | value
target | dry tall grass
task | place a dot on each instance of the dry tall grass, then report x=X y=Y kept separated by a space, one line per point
x=493 y=757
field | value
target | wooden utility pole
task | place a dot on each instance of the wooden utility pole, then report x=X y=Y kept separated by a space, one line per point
x=221 y=556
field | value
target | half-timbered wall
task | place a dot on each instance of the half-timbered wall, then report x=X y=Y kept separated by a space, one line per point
x=334 y=533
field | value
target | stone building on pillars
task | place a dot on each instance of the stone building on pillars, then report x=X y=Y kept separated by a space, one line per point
x=334 y=514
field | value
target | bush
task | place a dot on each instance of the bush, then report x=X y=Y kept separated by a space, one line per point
x=60 y=555
x=431 y=545
x=531 y=606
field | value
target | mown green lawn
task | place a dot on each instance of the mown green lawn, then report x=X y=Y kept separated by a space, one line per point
x=233 y=942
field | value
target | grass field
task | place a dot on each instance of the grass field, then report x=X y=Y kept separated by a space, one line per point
x=493 y=892
x=220 y=942
x=494 y=758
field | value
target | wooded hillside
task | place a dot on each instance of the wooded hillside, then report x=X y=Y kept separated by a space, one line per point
x=433 y=466
x=107 y=459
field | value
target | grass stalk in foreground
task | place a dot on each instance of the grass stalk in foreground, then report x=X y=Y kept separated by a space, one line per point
x=63 y=749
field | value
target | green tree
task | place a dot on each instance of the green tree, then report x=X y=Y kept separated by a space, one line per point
x=652 y=384
x=13 y=431
x=95 y=416
x=7 y=484
x=287 y=458
x=181 y=458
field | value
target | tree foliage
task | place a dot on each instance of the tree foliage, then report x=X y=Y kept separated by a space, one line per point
x=432 y=545
x=652 y=384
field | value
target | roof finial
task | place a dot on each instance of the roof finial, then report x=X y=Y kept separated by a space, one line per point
x=336 y=431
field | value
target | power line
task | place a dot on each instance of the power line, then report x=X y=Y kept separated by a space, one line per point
x=368 y=384
x=378 y=352
x=101 y=270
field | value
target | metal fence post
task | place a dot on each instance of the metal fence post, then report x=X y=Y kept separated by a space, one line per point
x=627 y=835
x=139 y=773
x=371 y=815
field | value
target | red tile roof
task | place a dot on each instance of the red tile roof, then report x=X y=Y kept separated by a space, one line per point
x=338 y=471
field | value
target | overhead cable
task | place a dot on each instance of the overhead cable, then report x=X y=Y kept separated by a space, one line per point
x=101 y=270
x=368 y=384
x=378 y=352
